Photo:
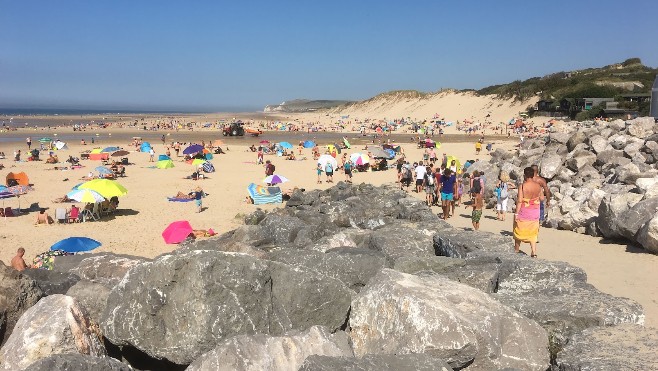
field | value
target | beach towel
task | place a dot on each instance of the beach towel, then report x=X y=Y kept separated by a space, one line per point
x=265 y=195
x=526 y=223
x=176 y=199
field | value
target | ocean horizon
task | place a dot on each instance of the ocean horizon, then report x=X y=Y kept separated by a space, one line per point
x=9 y=111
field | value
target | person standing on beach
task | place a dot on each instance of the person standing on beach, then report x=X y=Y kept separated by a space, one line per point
x=29 y=143
x=478 y=147
x=329 y=170
x=151 y=154
x=526 y=216
x=259 y=156
x=269 y=168
x=17 y=261
x=430 y=187
x=448 y=187
x=347 y=166
x=198 y=196
x=420 y=172
x=476 y=215
x=319 y=171
x=545 y=197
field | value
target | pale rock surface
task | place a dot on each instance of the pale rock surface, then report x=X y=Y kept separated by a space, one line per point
x=57 y=324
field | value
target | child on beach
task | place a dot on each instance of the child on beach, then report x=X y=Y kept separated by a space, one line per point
x=477 y=205
x=319 y=171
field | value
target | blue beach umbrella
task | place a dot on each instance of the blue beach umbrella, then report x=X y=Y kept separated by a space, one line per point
x=76 y=244
x=194 y=148
x=145 y=147
x=285 y=145
x=309 y=144
x=110 y=149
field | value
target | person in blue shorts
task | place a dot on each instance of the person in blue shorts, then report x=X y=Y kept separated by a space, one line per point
x=447 y=187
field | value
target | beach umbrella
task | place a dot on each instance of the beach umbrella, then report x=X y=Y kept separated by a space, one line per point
x=177 y=232
x=164 y=164
x=347 y=144
x=198 y=161
x=85 y=195
x=208 y=167
x=145 y=147
x=110 y=149
x=285 y=145
x=359 y=159
x=102 y=170
x=309 y=144
x=120 y=153
x=106 y=187
x=275 y=179
x=391 y=153
x=45 y=140
x=324 y=159
x=194 y=148
x=264 y=142
x=76 y=244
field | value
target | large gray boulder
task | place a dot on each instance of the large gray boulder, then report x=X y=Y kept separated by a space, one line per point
x=557 y=296
x=637 y=216
x=622 y=347
x=57 y=324
x=380 y=362
x=204 y=297
x=403 y=240
x=550 y=166
x=352 y=266
x=92 y=296
x=107 y=269
x=459 y=244
x=648 y=235
x=641 y=127
x=77 y=362
x=481 y=273
x=18 y=292
x=273 y=353
x=52 y=282
x=610 y=211
x=398 y=313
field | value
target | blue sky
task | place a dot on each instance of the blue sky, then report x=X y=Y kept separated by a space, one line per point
x=221 y=55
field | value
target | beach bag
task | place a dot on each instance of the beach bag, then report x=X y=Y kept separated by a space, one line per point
x=477 y=185
x=406 y=172
x=504 y=193
x=429 y=179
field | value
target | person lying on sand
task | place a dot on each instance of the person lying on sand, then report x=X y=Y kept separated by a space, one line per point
x=184 y=195
x=62 y=199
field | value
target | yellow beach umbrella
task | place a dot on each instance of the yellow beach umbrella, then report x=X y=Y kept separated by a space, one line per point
x=198 y=161
x=106 y=187
x=164 y=164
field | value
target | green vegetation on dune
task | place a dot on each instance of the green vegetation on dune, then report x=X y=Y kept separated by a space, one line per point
x=605 y=82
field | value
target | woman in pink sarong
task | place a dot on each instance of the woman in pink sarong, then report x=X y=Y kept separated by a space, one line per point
x=526 y=217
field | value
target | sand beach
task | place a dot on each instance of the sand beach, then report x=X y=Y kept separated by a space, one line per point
x=615 y=268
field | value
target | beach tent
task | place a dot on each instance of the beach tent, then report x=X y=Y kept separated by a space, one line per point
x=333 y=150
x=97 y=154
x=163 y=157
x=145 y=147
x=458 y=164
x=309 y=144
x=164 y=164
x=265 y=195
x=17 y=179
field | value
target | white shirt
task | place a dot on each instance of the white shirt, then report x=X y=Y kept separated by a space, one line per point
x=420 y=172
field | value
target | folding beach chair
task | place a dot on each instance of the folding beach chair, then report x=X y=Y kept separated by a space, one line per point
x=60 y=215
